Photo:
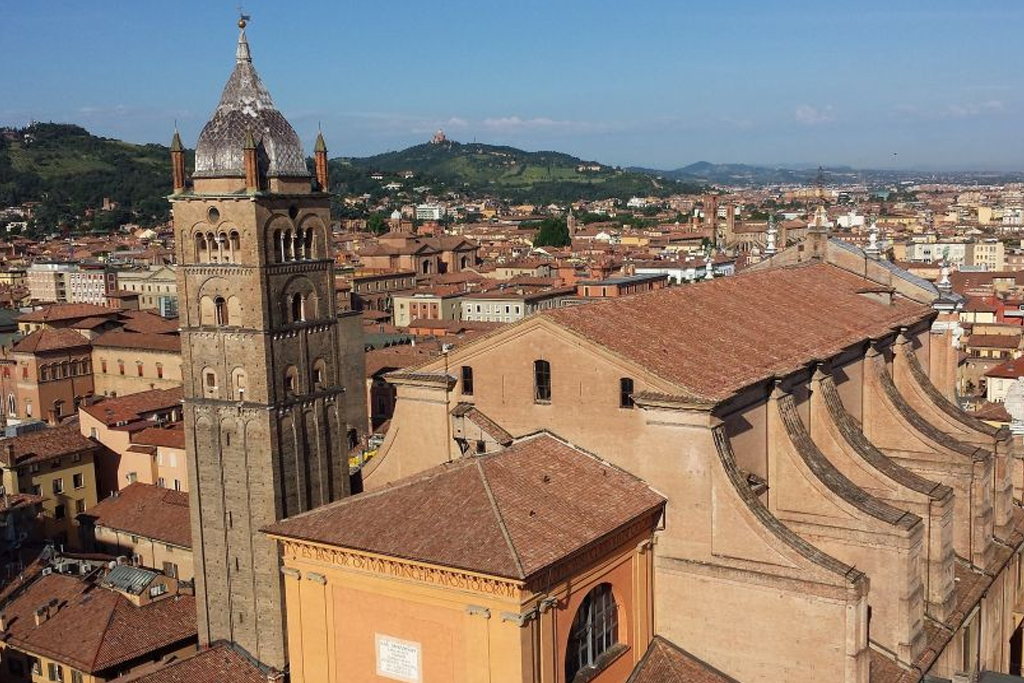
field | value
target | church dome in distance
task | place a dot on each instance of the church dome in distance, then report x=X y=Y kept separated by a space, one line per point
x=246 y=107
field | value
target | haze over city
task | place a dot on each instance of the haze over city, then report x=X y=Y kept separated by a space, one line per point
x=919 y=85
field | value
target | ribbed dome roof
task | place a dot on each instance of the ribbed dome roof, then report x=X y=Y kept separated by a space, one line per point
x=246 y=106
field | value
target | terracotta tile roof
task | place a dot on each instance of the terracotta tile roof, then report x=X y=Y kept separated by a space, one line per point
x=992 y=412
x=716 y=337
x=124 y=409
x=49 y=339
x=44 y=444
x=509 y=514
x=172 y=436
x=1011 y=369
x=147 y=321
x=148 y=341
x=59 y=312
x=993 y=341
x=94 y=629
x=221 y=663
x=666 y=662
x=397 y=357
x=148 y=511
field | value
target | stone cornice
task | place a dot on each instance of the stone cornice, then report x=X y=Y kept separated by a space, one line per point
x=442 y=577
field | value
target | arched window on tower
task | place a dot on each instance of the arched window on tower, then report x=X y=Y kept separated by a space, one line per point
x=278 y=246
x=209 y=383
x=202 y=253
x=594 y=632
x=298 y=308
x=235 y=244
x=238 y=383
x=220 y=306
x=289 y=244
x=319 y=374
x=307 y=244
x=222 y=248
x=211 y=248
x=291 y=381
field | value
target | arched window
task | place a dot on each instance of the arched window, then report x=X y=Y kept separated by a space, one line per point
x=238 y=383
x=307 y=247
x=594 y=631
x=626 y=392
x=44 y=373
x=220 y=306
x=58 y=408
x=235 y=243
x=65 y=369
x=464 y=261
x=289 y=244
x=319 y=373
x=291 y=381
x=12 y=405
x=298 y=306
x=211 y=247
x=201 y=249
x=427 y=266
x=541 y=381
x=209 y=383
x=467 y=380
x=278 y=246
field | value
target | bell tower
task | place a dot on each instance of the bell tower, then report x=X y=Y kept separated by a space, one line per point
x=271 y=372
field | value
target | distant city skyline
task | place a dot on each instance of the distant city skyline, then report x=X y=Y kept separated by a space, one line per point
x=919 y=85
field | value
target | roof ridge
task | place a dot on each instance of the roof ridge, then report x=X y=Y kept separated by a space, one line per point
x=501 y=520
x=106 y=628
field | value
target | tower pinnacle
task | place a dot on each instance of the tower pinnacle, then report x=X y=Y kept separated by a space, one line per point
x=242 y=53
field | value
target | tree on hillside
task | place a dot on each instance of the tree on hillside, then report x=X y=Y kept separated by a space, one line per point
x=376 y=224
x=554 y=232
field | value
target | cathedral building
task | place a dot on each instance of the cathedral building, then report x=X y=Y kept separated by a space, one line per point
x=831 y=513
x=272 y=371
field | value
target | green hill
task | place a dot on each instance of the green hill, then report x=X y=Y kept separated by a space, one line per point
x=68 y=171
x=503 y=172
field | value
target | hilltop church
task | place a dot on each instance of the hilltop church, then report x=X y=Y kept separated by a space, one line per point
x=759 y=478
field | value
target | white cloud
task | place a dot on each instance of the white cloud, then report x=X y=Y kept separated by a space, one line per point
x=812 y=116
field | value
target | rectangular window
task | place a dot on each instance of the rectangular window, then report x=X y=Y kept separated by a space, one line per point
x=138 y=367
x=171 y=570
x=103 y=365
x=160 y=482
x=467 y=380
x=132 y=477
x=79 y=507
x=120 y=367
x=55 y=672
x=626 y=392
x=58 y=485
x=541 y=381
x=159 y=371
x=60 y=512
x=177 y=484
x=24 y=373
x=78 y=481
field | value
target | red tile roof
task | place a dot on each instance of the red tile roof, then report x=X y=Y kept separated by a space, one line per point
x=49 y=339
x=221 y=663
x=993 y=341
x=147 y=341
x=148 y=511
x=716 y=337
x=59 y=312
x=124 y=409
x=666 y=662
x=147 y=321
x=172 y=436
x=510 y=514
x=1011 y=369
x=44 y=444
x=94 y=629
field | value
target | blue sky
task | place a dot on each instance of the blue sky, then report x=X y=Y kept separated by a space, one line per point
x=660 y=83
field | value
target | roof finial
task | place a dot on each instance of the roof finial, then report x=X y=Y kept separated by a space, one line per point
x=242 y=52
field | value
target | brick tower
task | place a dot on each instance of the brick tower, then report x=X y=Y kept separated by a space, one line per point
x=272 y=374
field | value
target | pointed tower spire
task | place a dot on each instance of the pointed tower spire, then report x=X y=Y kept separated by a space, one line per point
x=320 y=162
x=242 y=53
x=252 y=175
x=177 y=163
